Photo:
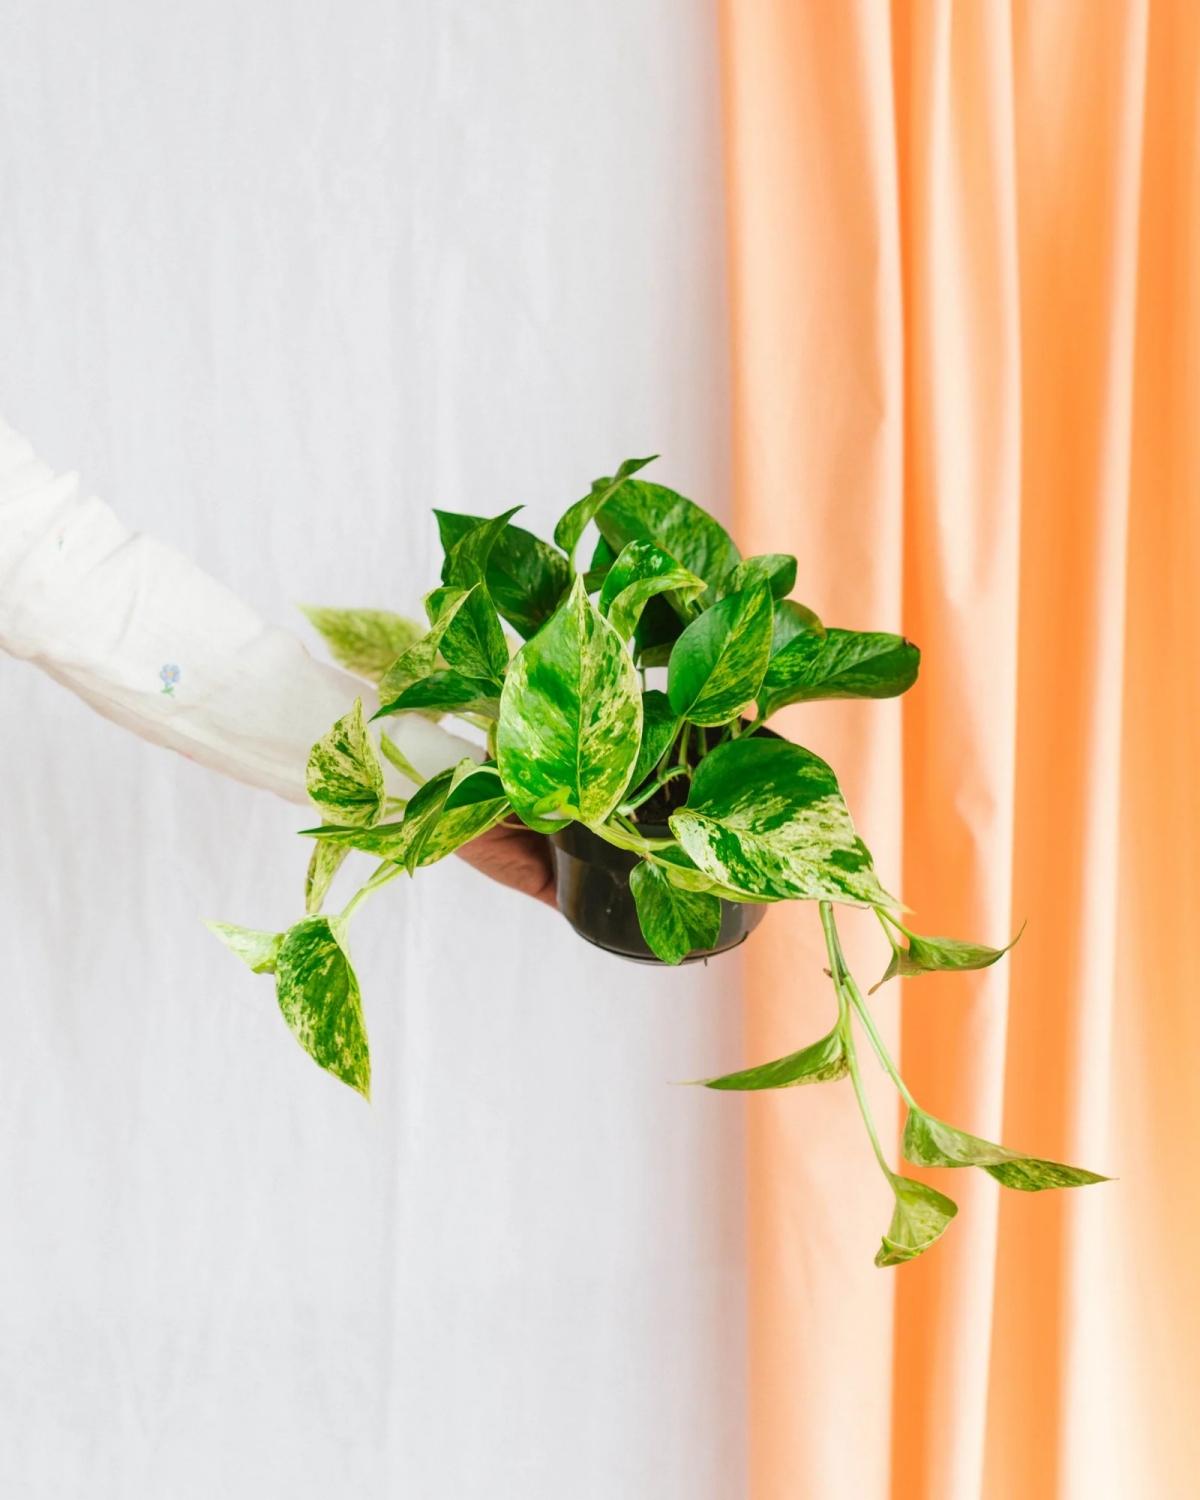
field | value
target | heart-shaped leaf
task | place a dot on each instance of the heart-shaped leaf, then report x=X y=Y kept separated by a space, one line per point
x=793 y=619
x=526 y=577
x=344 y=777
x=475 y=802
x=651 y=513
x=472 y=638
x=933 y=1143
x=422 y=656
x=920 y=1217
x=659 y=723
x=931 y=955
x=776 y=569
x=570 y=719
x=767 y=818
x=318 y=994
x=448 y=692
x=642 y=571
x=718 y=662
x=673 y=922
x=574 y=522
x=364 y=641
x=260 y=950
x=323 y=865
x=840 y=664
x=824 y=1061
x=466 y=563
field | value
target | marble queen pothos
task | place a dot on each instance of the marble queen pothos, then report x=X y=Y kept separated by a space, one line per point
x=574 y=735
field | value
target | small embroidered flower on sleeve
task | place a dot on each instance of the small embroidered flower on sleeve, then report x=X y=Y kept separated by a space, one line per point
x=170 y=675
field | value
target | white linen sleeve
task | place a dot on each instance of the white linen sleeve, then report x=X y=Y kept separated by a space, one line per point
x=153 y=643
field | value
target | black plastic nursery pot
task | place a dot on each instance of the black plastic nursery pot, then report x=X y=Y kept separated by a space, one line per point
x=592 y=879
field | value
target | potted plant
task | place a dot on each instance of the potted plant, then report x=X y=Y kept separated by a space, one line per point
x=677 y=816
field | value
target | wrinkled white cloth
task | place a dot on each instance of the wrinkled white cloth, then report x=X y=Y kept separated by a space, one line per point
x=150 y=641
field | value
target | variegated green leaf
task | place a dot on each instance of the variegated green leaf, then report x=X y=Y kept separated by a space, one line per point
x=319 y=996
x=840 y=664
x=364 y=641
x=526 y=577
x=421 y=658
x=260 y=950
x=823 y=1061
x=324 y=862
x=475 y=802
x=570 y=719
x=933 y=1143
x=472 y=639
x=344 y=777
x=674 y=922
x=718 y=662
x=793 y=619
x=767 y=818
x=642 y=571
x=574 y=522
x=652 y=513
x=659 y=723
x=467 y=561
x=776 y=569
x=921 y=1216
x=448 y=692
x=931 y=955
x=385 y=840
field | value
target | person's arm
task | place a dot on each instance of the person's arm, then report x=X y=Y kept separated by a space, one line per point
x=149 y=640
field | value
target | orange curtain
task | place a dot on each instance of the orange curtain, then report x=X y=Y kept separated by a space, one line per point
x=965 y=262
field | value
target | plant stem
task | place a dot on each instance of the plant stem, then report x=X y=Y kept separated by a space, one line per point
x=627 y=807
x=624 y=835
x=838 y=962
x=840 y=975
x=683 y=745
x=384 y=875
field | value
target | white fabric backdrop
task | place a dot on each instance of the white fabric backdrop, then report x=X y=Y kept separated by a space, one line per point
x=280 y=277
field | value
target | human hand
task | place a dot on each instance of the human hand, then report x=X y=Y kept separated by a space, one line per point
x=515 y=856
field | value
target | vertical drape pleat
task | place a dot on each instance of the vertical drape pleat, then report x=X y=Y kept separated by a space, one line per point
x=966 y=322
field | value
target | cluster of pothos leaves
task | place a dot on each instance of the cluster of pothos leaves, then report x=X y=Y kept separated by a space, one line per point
x=574 y=734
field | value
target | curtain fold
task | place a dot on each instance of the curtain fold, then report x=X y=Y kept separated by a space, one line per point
x=965 y=356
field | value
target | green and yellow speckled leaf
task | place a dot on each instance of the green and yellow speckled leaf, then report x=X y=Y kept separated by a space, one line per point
x=767 y=818
x=932 y=955
x=674 y=922
x=652 y=513
x=259 y=950
x=776 y=569
x=344 y=777
x=472 y=638
x=642 y=571
x=840 y=664
x=421 y=658
x=933 y=1143
x=448 y=692
x=570 y=719
x=718 y=662
x=574 y=521
x=822 y=1061
x=792 y=619
x=920 y=1217
x=324 y=863
x=475 y=802
x=318 y=994
x=466 y=563
x=526 y=577
x=364 y=641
